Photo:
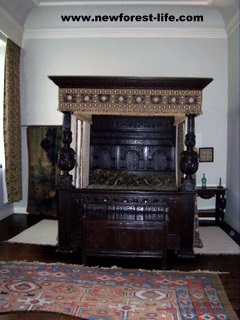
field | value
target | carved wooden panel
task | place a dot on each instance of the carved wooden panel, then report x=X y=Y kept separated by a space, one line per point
x=115 y=238
x=145 y=144
x=115 y=207
x=77 y=211
x=127 y=207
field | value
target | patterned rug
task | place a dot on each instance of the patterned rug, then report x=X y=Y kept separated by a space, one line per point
x=119 y=294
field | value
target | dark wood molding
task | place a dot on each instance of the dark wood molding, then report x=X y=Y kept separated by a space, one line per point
x=112 y=82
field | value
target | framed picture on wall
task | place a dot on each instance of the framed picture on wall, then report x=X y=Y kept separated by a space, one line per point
x=206 y=154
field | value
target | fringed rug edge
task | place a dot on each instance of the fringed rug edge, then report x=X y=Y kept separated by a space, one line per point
x=25 y=262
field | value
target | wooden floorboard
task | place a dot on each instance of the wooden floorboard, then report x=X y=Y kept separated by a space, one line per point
x=227 y=265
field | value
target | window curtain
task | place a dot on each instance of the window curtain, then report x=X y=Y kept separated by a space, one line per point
x=12 y=123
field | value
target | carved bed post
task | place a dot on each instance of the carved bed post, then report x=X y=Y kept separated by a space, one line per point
x=189 y=158
x=66 y=162
x=66 y=155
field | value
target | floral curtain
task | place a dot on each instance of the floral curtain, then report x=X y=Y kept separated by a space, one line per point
x=12 y=123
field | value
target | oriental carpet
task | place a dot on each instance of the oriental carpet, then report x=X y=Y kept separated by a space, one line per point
x=106 y=294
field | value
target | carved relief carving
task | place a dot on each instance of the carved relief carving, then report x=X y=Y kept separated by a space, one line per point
x=133 y=143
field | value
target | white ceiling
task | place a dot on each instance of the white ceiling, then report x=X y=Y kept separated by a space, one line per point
x=19 y=9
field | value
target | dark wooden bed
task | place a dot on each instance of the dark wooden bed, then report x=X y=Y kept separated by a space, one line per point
x=140 y=199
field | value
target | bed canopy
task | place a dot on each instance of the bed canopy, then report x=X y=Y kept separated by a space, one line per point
x=85 y=96
x=89 y=95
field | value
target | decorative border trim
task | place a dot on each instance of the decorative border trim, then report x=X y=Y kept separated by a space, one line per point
x=129 y=101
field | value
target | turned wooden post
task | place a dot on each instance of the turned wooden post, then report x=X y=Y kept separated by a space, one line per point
x=66 y=162
x=189 y=157
x=66 y=155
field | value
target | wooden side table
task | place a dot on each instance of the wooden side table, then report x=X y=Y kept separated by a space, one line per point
x=220 y=204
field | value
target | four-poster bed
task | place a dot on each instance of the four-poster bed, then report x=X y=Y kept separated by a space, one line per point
x=135 y=205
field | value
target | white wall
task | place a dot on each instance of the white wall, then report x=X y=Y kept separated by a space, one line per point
x=233 y=199
x=158 y=57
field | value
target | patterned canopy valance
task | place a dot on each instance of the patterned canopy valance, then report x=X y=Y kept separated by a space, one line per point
x=130 y=96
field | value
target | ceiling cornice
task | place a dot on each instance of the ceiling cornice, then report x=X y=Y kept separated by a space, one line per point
x=10 y=27
x=233 y=24
x=219 y=33
x=124 y=2
x=36 y=2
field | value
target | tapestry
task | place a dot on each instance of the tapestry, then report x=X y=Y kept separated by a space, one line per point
x=43 y=145
x=112 y=294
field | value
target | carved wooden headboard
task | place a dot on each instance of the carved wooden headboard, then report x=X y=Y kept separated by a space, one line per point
x=140 y=144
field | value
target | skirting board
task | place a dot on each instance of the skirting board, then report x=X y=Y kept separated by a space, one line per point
x=19 y=209
x=235 y=225
x=6 y=210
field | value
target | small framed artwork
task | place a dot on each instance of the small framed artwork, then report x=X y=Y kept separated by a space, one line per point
x=206 y=154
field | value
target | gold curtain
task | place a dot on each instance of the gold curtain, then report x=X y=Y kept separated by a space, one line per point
x=12 y=123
